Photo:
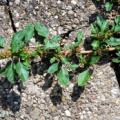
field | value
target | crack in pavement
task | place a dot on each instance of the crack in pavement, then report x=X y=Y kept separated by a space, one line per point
x=7 y=7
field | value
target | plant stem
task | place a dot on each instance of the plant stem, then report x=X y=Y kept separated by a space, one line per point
x=5 y=54
x=91 y=51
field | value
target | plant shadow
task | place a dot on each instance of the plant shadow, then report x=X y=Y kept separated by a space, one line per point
x=8 y=97
x=40 y=67
x=48 y=82
x=39 y=38
x=56 y=95
x=77 y=91
x=116 y=68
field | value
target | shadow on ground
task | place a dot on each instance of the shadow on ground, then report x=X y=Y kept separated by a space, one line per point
x=116 y=68
x=77 y=91
x=8 y=97
x=56 y=95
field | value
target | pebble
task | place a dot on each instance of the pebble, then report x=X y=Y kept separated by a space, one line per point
x=17 y=25
x=70 y=12
x=42 y=118
x=115 y=91
x=17 y=1
x=37 y=8
x=68 y=113
x=74 y=2
x=56 y=118
x=92 y=7
x=35 y=114
x=3 y=114
x=76 y=21
x=69 y=7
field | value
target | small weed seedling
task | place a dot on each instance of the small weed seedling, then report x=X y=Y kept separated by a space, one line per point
x=104 y=35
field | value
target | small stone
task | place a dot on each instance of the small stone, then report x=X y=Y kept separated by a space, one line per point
x=3 y=114
x=76 y=21
x=63 y=98
x=74 y=2
x=35 y=113
x=69 y=7
x=60 y=30
x=56 y=118
x=62 y=23
x=64 y=41
x=53 y=109
x=56 y=17
x=74 y=26
x=71 y=86
x=67 y=112
x=92 y=7
x=42 y=118
x=58 y=2
x=24 y=95
x=17 y=24
x=36 y=8
x=115 y=90
x=100 y=73
x=47 y=99
x=70 y=12
x=117 y=118
x=81 y=116
x=17 y=1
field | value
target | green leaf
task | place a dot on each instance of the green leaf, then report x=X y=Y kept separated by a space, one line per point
x=74 y=66
x=26 y=63
x=113 y=41
x=79 y=39
x=22 y=71
x=29 y=32
x=94 y=59
x=117 y=20
x=65 y=60
x=115 y=60
x=118 y=53
x=80 y=36
x=94 y=28
x=102 y=33
x=95 y=44
x=46 y=40
x=34 y=54
x=117 y=28
x=53 y=68
x=42 y=30
x=52 y=60
x=40 y=51
x=104 y=25
x=55 y=38
x=59 y=49
x=113 y=26
x=83 y=78
x=17 y=41
x=100 y=21
x=77 y=44
x=108 y=6
x=3 y=71
x=94 y=35
x=117 y=47
x=51 y=46
x=63 y=77
x=2 y=41
x=10 y=72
